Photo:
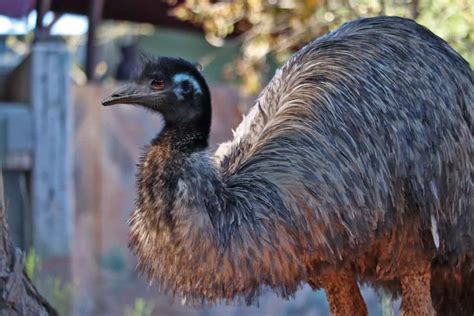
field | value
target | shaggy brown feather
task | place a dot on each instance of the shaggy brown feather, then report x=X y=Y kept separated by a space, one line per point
x=358 y=156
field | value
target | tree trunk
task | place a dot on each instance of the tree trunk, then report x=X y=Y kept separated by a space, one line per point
x=18 y=295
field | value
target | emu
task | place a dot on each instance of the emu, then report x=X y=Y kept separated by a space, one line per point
x=354 y=165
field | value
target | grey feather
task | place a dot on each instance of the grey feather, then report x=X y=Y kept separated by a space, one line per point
x=361 y=132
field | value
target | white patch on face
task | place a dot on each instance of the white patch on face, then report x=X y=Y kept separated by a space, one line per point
x=177 y=79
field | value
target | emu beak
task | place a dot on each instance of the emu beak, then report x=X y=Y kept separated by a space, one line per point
x=131 y=93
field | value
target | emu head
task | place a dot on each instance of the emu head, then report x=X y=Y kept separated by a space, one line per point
x=172 y=87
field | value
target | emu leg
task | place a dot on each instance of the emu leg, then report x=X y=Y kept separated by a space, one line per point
x=416 y=293
x=343 y=294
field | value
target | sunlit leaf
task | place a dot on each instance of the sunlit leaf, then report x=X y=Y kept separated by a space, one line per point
x=279 y=27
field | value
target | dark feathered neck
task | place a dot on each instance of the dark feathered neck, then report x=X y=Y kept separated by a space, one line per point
x=187 y=139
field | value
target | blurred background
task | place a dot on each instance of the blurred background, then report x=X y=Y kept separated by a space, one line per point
x=68 y=164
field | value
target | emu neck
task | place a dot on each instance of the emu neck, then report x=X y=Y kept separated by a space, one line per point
x=163 y=165
x=185 y=139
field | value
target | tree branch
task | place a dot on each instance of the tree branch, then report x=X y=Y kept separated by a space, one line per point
x=18 y=295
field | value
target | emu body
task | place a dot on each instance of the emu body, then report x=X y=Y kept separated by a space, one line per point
x=355 y=164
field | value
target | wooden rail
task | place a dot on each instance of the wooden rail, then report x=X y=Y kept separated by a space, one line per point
x=16 y=132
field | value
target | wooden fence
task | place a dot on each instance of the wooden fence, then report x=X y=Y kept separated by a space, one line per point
x=36 y=149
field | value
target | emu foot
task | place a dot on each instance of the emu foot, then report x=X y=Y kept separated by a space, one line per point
x=416 y=292
x=343 y=294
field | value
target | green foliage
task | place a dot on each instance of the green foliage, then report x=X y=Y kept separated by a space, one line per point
x=140 y=308
x=453 y=20
x=273 y=30
x=57 y=292
x=32 y=264
x=60 y=293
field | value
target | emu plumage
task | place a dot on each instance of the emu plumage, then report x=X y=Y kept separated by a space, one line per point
x=356 y=163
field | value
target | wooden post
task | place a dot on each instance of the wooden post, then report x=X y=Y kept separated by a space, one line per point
x=52 y=183
x=415 y=9
x=42 y=7
x=382 y=7
x=95 y=16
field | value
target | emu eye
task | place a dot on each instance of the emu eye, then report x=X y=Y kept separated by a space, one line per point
x=157 y=84
x=186 y=86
